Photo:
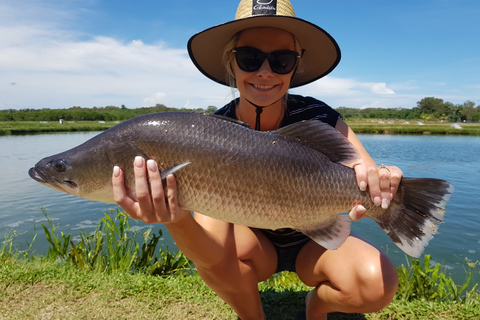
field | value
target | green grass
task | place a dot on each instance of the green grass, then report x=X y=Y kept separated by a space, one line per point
x=399 y=127
x=32 y=127
x=109 y=275
x=375 y=127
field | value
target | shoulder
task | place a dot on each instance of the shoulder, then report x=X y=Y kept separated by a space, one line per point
x=307 y=108
x=228 y=110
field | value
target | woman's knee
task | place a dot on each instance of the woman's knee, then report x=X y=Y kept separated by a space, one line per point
x=245 y=253
x=377 y=283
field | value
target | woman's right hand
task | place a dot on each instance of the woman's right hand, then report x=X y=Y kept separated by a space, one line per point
x=153 y=204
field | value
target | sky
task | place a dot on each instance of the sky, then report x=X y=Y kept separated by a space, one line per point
x=96 y=53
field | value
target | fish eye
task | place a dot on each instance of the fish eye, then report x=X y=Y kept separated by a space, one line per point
x=60 y=166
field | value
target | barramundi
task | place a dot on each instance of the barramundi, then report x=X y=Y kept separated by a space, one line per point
x=294 y=177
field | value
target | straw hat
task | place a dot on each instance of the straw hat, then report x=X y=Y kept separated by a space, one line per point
x=321 y=51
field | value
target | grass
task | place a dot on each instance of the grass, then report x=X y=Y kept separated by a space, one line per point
x=375 y=127
x=400 y=127
x=32 y=127
x=109 y=275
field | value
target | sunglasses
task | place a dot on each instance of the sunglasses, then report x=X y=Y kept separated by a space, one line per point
x=251 y=59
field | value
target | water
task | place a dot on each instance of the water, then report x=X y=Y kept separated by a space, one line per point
x=455 y=159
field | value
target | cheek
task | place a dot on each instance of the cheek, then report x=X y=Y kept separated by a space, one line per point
x=240 y=76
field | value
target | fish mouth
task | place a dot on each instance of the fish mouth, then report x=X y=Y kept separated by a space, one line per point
x=51 y=181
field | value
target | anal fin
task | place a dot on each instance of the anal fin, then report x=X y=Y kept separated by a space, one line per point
x=332 y=234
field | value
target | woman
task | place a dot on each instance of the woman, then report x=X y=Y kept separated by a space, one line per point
x=266 y=51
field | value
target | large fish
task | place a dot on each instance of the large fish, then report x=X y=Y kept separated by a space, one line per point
x=288 y=178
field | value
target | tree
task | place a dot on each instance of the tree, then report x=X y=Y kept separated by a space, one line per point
x=430 y=105
x=211 y=109
x=468 y=110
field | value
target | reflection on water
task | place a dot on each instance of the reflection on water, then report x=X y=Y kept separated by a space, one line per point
x=454 y=159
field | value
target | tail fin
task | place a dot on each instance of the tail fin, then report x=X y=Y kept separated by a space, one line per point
x=415 y=213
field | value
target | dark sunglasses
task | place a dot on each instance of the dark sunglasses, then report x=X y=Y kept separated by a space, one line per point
x=251 y=59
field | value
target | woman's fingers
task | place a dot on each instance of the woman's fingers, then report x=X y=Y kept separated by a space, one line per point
x=384 y=185
x=157 y=193
x=357 y=212
x=361 y=174
x=120 y=194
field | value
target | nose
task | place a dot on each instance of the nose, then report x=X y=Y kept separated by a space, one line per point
x=265 y=69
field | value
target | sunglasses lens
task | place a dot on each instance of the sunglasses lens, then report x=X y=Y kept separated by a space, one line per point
x=251 y=59
x=283 y=62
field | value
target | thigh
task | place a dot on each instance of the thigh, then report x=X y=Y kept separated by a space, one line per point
x=354 y=264
x=242 y=246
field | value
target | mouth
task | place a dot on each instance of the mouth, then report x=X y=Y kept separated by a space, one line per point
x=34 y=174
x=51 y=181
x=263 y=87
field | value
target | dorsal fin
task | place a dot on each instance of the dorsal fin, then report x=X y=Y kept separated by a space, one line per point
x=230 y=120
x=322 y=137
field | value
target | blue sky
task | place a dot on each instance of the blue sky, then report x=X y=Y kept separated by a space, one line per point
x=64 y=53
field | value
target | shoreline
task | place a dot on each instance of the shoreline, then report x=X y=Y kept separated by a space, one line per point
x=361 y=127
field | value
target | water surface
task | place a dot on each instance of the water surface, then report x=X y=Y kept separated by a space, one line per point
x=452 y=158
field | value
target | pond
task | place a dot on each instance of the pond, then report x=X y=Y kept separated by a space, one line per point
x=452 y=158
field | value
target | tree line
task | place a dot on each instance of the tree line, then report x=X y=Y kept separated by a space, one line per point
x=429 y=108
x=109 y=113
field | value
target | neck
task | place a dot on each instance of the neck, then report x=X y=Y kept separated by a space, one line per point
x=264 y=118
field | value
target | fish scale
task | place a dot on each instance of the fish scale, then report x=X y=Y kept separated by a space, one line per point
x=289 y=178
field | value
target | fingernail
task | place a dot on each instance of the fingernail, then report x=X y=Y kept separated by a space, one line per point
x=361 y=209
x=377 y=201
x=385 y=203
x=151 y=165
x=138 y=161
x=363 y=186
x=116 y=171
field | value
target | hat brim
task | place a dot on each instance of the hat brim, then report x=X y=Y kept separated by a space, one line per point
x=321 y=51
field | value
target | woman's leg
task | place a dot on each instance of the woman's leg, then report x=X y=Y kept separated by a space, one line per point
x=357 y=277
x=247 y=258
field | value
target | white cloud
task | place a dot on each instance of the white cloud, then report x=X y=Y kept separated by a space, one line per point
x=351 y=93
x=155 y=99
x=380 y=88
x=54 y=67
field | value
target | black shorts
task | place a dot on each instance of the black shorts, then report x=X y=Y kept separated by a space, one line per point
x=287 y=243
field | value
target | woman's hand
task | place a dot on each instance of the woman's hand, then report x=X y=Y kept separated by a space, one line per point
x=382 y=183
x=153 y=203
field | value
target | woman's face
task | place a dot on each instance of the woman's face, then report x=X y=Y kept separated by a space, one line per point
x=263 y=87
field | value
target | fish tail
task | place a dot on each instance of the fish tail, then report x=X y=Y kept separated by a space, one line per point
x=415 y=213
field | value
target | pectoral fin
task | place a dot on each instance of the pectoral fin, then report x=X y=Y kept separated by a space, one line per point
x=171 y=170
x=330 y=235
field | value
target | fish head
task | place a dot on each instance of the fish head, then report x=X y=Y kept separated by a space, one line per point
x=77 y=172
x=55 y=173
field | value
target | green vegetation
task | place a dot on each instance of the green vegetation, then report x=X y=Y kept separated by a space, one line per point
x=109 y=275
x=110 y=113
x=435 y=113
x=427 y=109
x=396 y=127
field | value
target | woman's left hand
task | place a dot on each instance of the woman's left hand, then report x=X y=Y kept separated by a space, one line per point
x=382 y=183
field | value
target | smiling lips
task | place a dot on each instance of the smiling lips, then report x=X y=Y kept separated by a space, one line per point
x=263 y=87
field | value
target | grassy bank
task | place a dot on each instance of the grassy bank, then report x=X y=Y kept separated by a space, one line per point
x=376 y=127
x=43 y=289
x=109 y=275
x=401 y=127
x=33 y=127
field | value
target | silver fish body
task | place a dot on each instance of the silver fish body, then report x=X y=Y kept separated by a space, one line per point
x=288 y=178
